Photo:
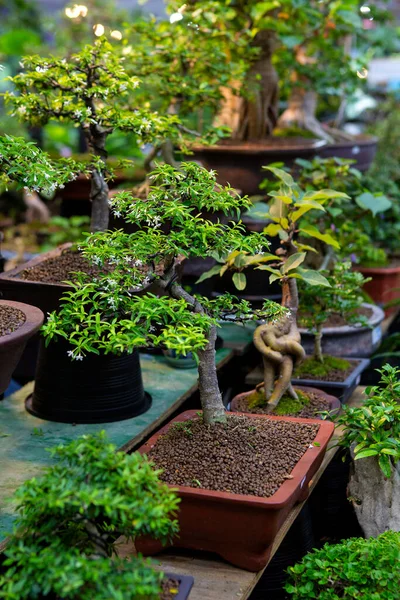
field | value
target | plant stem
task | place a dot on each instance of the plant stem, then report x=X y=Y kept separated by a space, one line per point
x=318 y=345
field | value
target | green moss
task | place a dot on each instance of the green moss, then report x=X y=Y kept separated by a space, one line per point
x=313 y=367
x=287 y=404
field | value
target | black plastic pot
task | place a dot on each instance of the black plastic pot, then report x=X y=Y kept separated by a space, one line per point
x=341 y=389
x=185 y=585
x=97 y=389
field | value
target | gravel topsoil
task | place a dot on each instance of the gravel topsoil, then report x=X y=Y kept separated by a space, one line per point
x=10 y=319
x=59 y=268
x=249 y=456
x=170 y=588
x=309 y=411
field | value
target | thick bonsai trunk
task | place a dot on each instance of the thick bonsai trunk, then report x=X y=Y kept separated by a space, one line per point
x=210 y=396
x=318 y=345
x=300 y=113
x=253 y=116
x=98 y=189
x=376 y=500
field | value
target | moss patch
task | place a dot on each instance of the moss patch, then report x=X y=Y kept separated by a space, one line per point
x=286 y=405
x=313 y=367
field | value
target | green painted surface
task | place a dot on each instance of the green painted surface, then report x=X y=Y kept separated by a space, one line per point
x=24 y=438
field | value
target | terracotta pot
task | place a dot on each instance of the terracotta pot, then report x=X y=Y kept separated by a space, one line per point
x=362 y=149
x=239 y=528
x=97 y=389
x=12 y=345
x=348 y=340
x=240 y=163
x=335 y=404
x=384 y=285
x=340 y=389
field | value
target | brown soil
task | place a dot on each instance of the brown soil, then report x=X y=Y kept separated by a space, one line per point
x=242 y=456
x=60 y=268
x=310 y=411
x=10 y=319
x=170 y=588
x=339 y=321
x=334 y=374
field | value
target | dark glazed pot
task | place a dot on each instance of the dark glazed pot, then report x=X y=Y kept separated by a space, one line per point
x=97 y=389
x=13 y=344
x=239 y=528
x=348 y=340
x=240 y=163
x=362 y=149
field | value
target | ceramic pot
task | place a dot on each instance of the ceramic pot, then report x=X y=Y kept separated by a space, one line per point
x=13 y=344
x=362 y=149
x=240 y=528
x=97 y=389
x=384 y=285
x=349 y=340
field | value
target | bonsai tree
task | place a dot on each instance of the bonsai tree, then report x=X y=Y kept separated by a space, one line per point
x=93 y=91
x=70 y=518
x=107 y=315
x=279 y=341
x=372 y=432
x=355 y=568
x=319 y=303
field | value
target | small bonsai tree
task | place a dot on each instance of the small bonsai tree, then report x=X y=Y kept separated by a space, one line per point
x=106 y=315
x=355 y=568
x=279 y=341
x=372 y=432
x=70 y=518
x=93 y=91
x=319 y=303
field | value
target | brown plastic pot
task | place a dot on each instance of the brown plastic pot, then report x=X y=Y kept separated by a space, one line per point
x=240 y=163
x=12 y=345
x=384 y=285
x=240 y=528
x=362 y=149
x=335 y=404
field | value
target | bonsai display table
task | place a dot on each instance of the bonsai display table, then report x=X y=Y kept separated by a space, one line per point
x=24 y=438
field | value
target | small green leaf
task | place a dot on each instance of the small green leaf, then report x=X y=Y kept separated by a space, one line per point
x=324 y=237
x=239 y=280
x=282 y=175
x=311 y=277
x=293 y=261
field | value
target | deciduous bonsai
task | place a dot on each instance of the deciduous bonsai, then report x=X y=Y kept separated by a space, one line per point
x=106 y=315
x=93 y=91
x=69 y=519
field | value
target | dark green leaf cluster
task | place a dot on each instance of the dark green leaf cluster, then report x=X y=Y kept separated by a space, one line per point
x=373 y=429
x=24 y=163
x=356 y=569
x=70 y=518
x=343 y=298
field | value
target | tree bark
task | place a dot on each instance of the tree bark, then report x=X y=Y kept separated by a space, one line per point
x=376 y=500
x=96 y=140
x=252 y=115
x=318 y=345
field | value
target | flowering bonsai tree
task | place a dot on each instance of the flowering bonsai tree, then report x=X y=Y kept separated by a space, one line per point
x=319 y=303
x=279 y=341
x=107 y=315
x=70 y=518
x=93 y=91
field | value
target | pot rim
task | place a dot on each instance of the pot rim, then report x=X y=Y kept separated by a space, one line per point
x=288 y=488
x=361 y=139
x=34 y=321
x=383 y=271
x=262 y=147
x=374 y=320
x=358 y=369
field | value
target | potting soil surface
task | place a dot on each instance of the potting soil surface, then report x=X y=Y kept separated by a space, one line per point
x=24 y=438
x=60 y=268
x=308 y=411
x=245 y=455
x=10 y=319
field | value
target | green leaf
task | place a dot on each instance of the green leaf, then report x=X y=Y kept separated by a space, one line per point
x=272 y=229
x=213 y=271
x=386 y=466
x=239 y=280
x=311 y=277
x=324 y=237
x=376 y=204
x=366 y=453
x=293 y=261
x=325 y=195
x=282 y=175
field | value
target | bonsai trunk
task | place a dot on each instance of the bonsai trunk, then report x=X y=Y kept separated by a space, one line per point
x=318 y=345
x=300 y=114
x=96 y=140
x=253 y=115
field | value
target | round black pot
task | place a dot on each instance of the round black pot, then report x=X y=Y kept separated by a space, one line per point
x=97 y=389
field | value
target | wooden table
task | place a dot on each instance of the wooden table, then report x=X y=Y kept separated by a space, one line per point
x=215 y=579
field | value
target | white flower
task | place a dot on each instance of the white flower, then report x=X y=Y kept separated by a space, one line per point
x=70 y=353
x=138 y=263
x=79 y=357
x=175 y=17
x=117 y=213
x=41 y=69
x=78 y=114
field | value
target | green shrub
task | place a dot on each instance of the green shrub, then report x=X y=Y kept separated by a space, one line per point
x=354 y=569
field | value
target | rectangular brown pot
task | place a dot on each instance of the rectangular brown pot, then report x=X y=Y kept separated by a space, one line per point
x=384 y=285
x=239 y=528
